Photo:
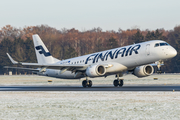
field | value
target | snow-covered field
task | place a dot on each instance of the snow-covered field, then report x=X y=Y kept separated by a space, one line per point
x=89 y=105
x=128 y=79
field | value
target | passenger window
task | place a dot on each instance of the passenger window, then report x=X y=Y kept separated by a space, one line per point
x=156 y=45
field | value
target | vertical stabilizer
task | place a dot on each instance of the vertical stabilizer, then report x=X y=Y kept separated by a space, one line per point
x=42 y=53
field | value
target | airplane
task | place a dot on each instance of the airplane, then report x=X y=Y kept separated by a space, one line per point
x=137 y=58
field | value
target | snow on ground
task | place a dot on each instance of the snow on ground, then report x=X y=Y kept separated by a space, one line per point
x=89 y=105
x=128 y=79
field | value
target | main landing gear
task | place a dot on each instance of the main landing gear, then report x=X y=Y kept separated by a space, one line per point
x=86 y=83
x=118 y=82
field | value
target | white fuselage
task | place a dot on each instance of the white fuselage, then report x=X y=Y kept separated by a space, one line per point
x=129 y=57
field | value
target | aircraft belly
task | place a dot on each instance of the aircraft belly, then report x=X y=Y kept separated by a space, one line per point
x=58 y=74
x=66 y=74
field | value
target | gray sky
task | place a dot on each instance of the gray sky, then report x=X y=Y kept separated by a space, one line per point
x=87 y=14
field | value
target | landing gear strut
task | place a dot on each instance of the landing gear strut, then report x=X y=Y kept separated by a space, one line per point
x=159 y=66
x=86 y=83
x=118 y=82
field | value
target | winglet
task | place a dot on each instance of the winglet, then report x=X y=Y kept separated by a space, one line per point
x=13 y=61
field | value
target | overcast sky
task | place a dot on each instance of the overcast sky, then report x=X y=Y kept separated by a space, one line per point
x=87 y=14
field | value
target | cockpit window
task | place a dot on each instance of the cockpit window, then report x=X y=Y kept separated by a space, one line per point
x=161 y=44
x=156 y=45
x=164 y=44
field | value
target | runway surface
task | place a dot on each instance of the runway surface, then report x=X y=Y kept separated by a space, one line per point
x=95 y=88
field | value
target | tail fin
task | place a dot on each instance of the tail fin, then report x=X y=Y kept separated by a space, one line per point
x=42 y=53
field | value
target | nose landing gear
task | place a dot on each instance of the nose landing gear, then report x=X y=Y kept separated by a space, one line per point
x=159 y=63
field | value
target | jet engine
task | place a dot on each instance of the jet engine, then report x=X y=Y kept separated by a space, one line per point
x=143 y=71
x=95 y=70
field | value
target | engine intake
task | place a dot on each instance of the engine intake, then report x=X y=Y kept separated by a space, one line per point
x=143 y=71
x=95 y=70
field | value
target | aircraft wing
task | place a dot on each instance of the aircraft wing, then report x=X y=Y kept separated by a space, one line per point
x=13 y=61
x=51 y=66
x=21 y=68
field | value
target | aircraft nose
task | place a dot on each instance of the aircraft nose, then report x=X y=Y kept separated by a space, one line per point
x=173 y=52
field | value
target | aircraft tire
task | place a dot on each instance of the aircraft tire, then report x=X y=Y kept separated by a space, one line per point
x=121 y=83
x=90 y=83
x=84 y=83
x=116 y=83
x=159 y=72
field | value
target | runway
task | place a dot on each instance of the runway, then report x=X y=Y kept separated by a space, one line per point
x=95 y=88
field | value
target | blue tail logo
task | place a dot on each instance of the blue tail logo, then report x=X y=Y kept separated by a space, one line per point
x=46 y=54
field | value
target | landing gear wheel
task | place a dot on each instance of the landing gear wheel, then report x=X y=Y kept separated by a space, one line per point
x=87 y=83
x=84 y=83
x=121 y=82
x=159 y=72
x=116 y=83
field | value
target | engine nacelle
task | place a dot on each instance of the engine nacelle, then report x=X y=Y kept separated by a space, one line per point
x=143 y=71
x=95 y=70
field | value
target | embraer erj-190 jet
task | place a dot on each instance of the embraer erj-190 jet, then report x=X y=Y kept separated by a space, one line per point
x=137 y=58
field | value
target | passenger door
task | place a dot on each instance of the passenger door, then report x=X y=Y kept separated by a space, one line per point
x=148 y=49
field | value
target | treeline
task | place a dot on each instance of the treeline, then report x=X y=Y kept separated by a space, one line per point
x=67 y=43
